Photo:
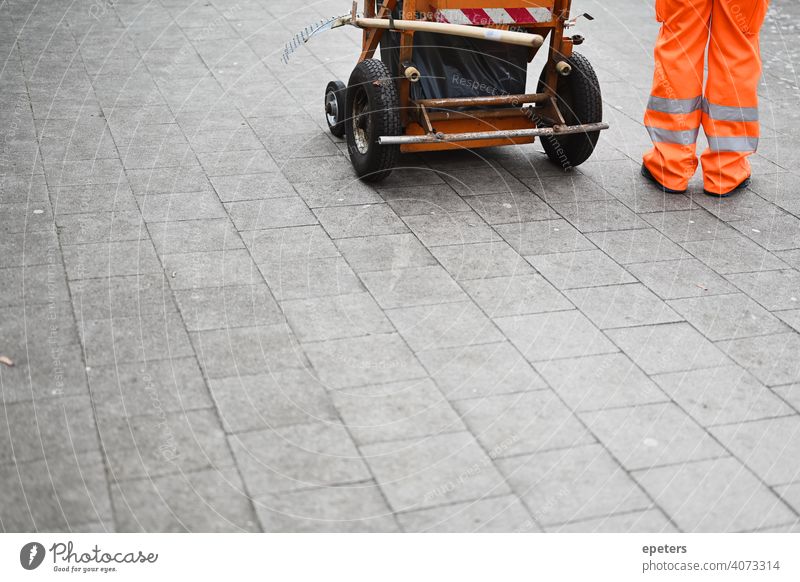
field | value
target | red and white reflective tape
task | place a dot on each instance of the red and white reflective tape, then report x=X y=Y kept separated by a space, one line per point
x=487 y=16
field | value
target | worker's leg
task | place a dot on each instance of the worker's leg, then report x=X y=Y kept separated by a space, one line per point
x=730 y=112
x=673 y=113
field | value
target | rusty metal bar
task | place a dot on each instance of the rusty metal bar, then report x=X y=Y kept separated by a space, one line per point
x=478 y=32
x=487 y=135
x=483 y=101
x=479 y=115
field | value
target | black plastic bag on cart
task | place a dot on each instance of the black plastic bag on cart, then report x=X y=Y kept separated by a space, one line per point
x=453 y=66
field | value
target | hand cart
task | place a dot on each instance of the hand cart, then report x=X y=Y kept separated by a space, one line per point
x=381 y=117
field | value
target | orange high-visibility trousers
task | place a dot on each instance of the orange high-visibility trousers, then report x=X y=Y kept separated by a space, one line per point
x=728 y=110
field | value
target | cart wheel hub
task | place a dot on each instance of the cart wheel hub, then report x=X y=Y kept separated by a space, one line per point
x=331 y=108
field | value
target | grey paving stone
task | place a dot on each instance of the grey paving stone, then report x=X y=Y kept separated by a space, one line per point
x=768 y=447
x=790 y=393
x=358 y=508
x=189 y=236
x=504 y=514
x=140 y=388
x=396 y=411
x=637 y=246
x=386 y=252
x=125 y=296
x=170 y=155
x=270 y=213
x=544 y=237
x=163 y=443
x=475 y=180
x=727 y=316
x=580 y=269
x=792 y=258
x=251 y=187
x=648 y=200
x=43 y=428
x=561 y=334
x=211 y=119
x=340 y=316
x=481 y=260
x=734 y=255
x=568 y=188
x=363 y=360
x=482 y=370
x=790 y=317
x=93 y=198
x=271 y=248
x=772 y=289
x=337 y=193
x=228 y=306
x=67 y=488
x=508 y=207
x=651 y=435
x=420 y=473
x=443 y=326
x=774 y=233
x=23 y=188
x=572 y=484
x=25 y=217
x=359 y=221
x=297 y=457
x=276 y=399
x=672 y=347
x=771 y=358
x=83 y=172
x=516 y=295
x=412 y=286
x=690 y=225
x=229 y=163
x=746 y=205
x=622 y=306
x=100 y=227
x=110 y=259
x=643 y=522
x=434 y=200
x=134 y=339
x=741 y=503
x=210 y=269
x=326 y=169
x=223 y=140
x=599 y=215
x=790 y=495
x=680 y=278
x=523 y=423
x=722 y=395
x=180 y=206
x=450 y=229
x=599 y=382
x=168 y=180
x=306 y=278
x=239 y=351
x=28 y=249
x=206 y=501
x=33 y=285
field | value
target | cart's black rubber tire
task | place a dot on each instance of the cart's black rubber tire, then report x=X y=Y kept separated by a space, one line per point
x=580 y=101
x=336 y=91
x=373 y=92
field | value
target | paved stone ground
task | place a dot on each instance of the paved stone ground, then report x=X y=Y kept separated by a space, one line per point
x=215 y=327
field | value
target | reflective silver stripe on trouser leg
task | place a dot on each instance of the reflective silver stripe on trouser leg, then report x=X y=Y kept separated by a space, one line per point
x=725 y=113
x=674 y=106
x=682 y=137
x=732 y=144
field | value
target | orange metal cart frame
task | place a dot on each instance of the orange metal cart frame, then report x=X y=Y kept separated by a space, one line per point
x=442 y=124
